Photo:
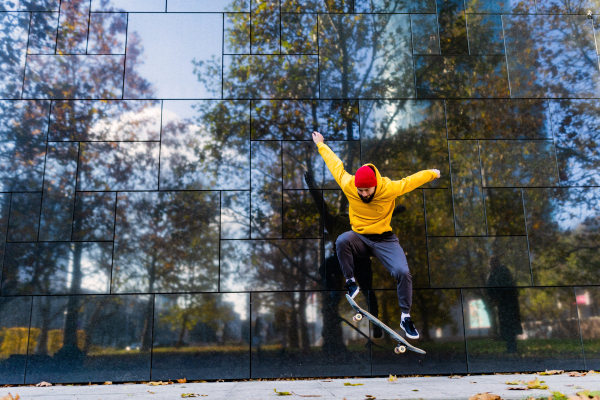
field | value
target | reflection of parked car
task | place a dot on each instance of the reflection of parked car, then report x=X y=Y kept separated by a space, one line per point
x=134 y=346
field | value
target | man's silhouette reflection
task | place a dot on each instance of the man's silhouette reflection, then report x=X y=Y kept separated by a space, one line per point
x=503 y=295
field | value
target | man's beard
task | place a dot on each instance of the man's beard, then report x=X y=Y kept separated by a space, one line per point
x=367 y=199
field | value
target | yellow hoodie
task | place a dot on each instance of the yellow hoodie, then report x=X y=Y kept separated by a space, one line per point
x=374 y=217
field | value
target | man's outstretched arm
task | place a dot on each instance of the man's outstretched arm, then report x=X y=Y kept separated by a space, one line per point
x=333 y=162
x=412 y=182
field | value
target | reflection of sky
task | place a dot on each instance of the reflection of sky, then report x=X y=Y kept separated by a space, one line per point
x=131 y=5
x=201 y=5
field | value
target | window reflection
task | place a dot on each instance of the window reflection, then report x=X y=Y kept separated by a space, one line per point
x=73 y=27
x=42 y=33
x=107 y=33
x=94 y=217
x=14 y=322
x=24 y=220
x=504 y=211
x=14 y=36
x=266 y=194
x=30 y=5
x=235 y=215
x=129 y=5
x=588 y=300
x=439 y=212
x=425 y=38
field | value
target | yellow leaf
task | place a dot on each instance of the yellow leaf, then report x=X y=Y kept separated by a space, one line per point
x=182 y=380
x=536 y=384
x=107 y=383
x=392 y=378
x=282 y=393
x=552 y=372
x=514 y=382
x=485 y=396
x=9 y=397
x=352 y=384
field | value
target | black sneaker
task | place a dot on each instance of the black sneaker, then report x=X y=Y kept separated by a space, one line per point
x=377 y=331
x=353 y=288
x=409 y=328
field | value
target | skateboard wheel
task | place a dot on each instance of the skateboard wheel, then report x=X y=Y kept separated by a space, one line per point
x=358 y=317
x=399 y=349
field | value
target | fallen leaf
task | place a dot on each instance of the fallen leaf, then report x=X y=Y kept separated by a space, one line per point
x=352 y=384
x=455 y=377
x=593 y=372
x=151 y=392
x=282 y=393
x=485 y=396
x=392 y=378
x=43 y=384
x=415 y=390
x=552 y=372
x=184 y=395
x=473 y=382
x=576 y=374
x=558 y=396
x=517 y=388
x=159 y=383
x=181 y=380
x=514 y=382
x=107 y=383
x=368 y=396
x=536 y=384
x=586 y=394
x=9 y=397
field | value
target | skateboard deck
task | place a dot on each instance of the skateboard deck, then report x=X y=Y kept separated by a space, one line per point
x=401 y=341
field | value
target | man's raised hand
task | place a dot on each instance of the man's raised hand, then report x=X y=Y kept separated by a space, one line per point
x=317 y=137
x=437 y=172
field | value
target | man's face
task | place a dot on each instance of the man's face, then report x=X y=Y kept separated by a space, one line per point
x=366 y=194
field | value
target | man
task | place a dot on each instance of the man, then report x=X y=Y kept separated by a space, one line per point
x=372 y=199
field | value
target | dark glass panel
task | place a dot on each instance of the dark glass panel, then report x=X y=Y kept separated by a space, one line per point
x=130 y=5
x=498 y=119
x=13 y=34
x=301 y=218
x=485 y=34
x=201 y=336
x=376 y=60
x=105 y=120
x=166 y=242
x=469 y=211
x=107 y=33
x=266 y=194
x=518 y=163
x=307 y=334
x=23 y=132
x=4 y=213
x=236 y=36
x=313 y=6
x=270 y=76
x=403 y=137
x=73 y=27
x=500 y=6
x=24 y=218
x=404 y=6
x=57 y=268
x=59 y=192
x=94 y=217
x=299 y=34
x=514 y=329
x=42 y=33
x=15 y=313
x=553 y=56
x=301 y=158
x=204 y=6
x=452 y=27
x=235 y=215
x=564 y=238
x=118 y=166
x=576 y=126
x=295 y=119
x=474 y=261
x=173 y=56
x=437 y=315
x=205 y=145
x=461 y=76
x=588 y=300
x=440 y=212
x=90 y=339
x=64 y=77
x=277 y=265
x=504 y=212
x=30 y=5
x=425 y=34
x=266 y=27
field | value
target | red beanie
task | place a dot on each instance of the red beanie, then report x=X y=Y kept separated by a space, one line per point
x=365 y=177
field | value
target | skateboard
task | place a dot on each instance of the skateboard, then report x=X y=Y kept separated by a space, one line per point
x=402 y=343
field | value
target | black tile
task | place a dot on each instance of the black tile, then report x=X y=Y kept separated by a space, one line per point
x=498 y=119
x=439 y=212
x=166 y=242
x=266 y=196
x=403 y=137
x=554 y=56
x=403 y=6
x=265 y=18
x=103 y=26
x=301 y=217
x=73 y=27
x=57 y=268
x=425 y=38
x=23 y=132
x=437 y=315
x=295 y=119
x=511 y=163
x=461 y=76
x=4 y=213
x=24 y=220
x=299 y=34
x=485 y=34
x=512 y=329
x=500 y=6
x=105 y=120
x=575 y=125
x=76 y=339
x=205 y=144
x=59 y=192
x=201 y=336
x=15 y=313
x=360 y=73
x=452 y=27
x=118 y=166
x=235 y=215
x=504 y=212
x=14 y=36
x=307 y=334
x=304 y=157
x=313 y=6
x=469 y=210
x=94 y=217
x=202 y=6
x=78 y=76
x=236 y=36
x=274 y=265
x=270 y=76
x=587 y=299
x=563 y=235
x=42 y=33
x=470 y=261
x=30 y=5
x=131 y=6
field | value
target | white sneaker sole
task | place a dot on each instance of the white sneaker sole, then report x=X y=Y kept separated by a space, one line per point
x=408 y=335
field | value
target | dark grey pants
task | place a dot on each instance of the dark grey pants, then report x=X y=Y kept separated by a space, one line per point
x=388 y=251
